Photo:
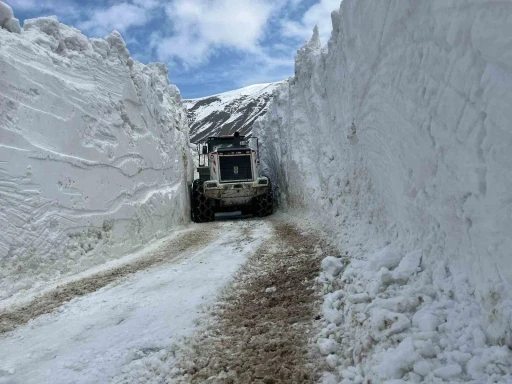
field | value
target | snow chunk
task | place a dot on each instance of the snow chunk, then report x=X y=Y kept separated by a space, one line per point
x=359 y=298
x=398 y=361
x=7 y=20
x=329 y=378
x=5 y=13
x=327 y=346
x=315 y=42
x=422 y=367
x=333 y=316
x=479 y=337
x=460 y=357
x=331 y=266
x=384 y=258
x=425 y=321
x=385 y=323
x=47 y=25
x=408 y=265
x=332 y=361
x=448 y=371
x=13 y=25
x=118 y=45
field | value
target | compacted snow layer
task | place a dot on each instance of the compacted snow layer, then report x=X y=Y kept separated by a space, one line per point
x=93 y=152
x=396 y=139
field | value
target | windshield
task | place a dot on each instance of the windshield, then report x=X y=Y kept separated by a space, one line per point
x=215 y=143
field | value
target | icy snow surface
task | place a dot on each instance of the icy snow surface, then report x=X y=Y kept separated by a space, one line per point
x=93 y=153
x=396 y=139
x=127 y=331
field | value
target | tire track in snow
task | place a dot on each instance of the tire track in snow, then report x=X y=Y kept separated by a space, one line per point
x=52 y=300
x=264 y=321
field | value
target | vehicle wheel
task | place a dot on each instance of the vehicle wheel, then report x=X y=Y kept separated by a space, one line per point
x=246 y=210
x=263 y=205
x=202 y=207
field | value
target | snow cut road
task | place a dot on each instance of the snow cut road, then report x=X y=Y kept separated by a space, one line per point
x=90 y=338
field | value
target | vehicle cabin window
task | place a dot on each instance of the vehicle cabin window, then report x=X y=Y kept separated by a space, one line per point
x=217 y=143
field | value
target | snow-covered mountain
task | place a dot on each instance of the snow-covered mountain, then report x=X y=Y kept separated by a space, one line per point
x=228 y=112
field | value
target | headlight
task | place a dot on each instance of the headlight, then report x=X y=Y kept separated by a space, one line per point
x=210 y=185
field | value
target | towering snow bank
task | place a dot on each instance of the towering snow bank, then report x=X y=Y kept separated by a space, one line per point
x=399 y=135
x=93 y=152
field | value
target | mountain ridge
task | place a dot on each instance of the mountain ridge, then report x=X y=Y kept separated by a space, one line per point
x=228 y=112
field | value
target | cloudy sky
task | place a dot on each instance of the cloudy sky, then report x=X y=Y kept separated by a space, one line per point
x=209 y=46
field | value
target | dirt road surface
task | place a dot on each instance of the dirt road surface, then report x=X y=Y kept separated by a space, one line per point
x=226 y=302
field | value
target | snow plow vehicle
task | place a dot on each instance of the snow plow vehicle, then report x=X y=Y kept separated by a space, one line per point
x=229 y=179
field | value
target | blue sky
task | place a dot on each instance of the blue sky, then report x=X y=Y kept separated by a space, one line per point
x=209 y=46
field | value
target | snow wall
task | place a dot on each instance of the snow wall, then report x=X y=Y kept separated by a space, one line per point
x=93 y=153
x=398 y=134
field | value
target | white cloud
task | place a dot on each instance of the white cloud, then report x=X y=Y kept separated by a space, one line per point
x=319 y=14
x=202 y=26
x=24 y=4
x=188 y=34
x=62 y=8
x=119 y=17
x=147 y=4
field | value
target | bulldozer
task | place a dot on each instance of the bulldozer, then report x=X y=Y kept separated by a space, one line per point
x=229 y=179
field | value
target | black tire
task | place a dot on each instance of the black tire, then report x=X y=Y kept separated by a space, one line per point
x=246 y=210
x=263 y=205
x=202 y=207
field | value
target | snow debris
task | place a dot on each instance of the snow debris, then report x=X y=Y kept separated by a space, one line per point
x=5 y=13
x=94 y=151
x=397 y=361
x=271 y=290
x=331 y=267
x=425 y=321
x=395 y=140
x=385 y=258
x=332 y=361
x=12 y=25
x=422 y=367
x=448 y=371
x=329 y=378
x=327 y=346
x=409 y=265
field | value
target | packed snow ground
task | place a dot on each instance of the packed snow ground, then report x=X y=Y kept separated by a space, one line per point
x=105 y=335
x=261 y=328
x=396 y=139
x=93 y=152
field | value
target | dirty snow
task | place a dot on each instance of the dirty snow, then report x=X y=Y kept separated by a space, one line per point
x=395 y=139
x=93 y=152
x=255 y=333
x=104 y=336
